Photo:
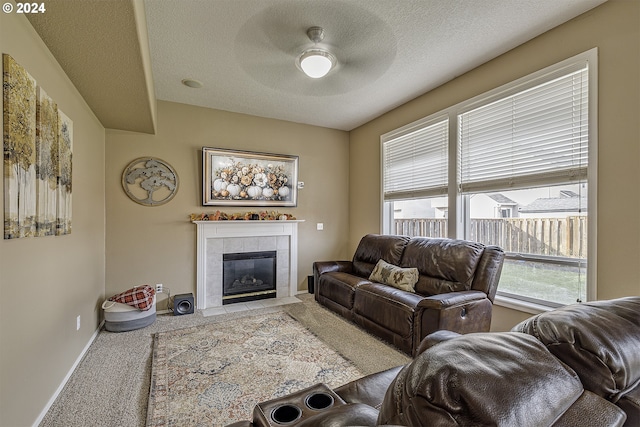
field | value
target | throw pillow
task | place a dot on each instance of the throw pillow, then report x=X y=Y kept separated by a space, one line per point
x=392 y=275
x=140 y=297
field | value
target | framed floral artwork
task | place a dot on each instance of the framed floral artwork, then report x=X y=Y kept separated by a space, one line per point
x=244 y=178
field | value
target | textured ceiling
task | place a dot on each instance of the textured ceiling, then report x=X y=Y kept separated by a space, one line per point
x=244 y=51
x=390 y=51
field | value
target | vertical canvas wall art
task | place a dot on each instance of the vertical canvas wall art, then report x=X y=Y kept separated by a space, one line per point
x=46 y=164
x=19 y=135
x=38 y=145
x=65 y=146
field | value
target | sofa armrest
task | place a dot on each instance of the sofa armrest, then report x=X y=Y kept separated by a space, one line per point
x=451 y=299
x=462 y=312
x=369 y=389
x=321 y=267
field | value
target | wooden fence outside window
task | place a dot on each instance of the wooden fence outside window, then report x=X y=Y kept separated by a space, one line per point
x=565 y=237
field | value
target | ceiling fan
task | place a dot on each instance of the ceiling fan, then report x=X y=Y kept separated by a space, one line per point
x=355 y=46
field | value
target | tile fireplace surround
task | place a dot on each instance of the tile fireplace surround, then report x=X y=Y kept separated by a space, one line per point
x=215 y=238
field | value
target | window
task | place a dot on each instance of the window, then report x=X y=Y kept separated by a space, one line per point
x=545 y=241
x=525 y=182
x=415 y=176
x=424 y=216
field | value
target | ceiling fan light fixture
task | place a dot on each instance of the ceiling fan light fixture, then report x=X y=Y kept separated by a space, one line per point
x=316 y=63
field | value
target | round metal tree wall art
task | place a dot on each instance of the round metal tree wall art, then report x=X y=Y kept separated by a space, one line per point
x=150 y=181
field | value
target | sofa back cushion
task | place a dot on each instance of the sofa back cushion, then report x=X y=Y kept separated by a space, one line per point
x=498 y=378
x=444 y=265
x=600 y=340
x=374 y=247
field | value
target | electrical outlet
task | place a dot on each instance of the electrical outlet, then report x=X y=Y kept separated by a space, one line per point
x=78 y=323
x=319 y=226
x=159 y=287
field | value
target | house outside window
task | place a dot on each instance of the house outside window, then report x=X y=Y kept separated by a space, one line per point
x=524 y=180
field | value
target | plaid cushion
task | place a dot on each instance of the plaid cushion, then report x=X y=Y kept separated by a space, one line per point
x=140 y=297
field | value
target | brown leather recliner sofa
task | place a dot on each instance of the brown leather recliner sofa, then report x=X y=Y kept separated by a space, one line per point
x=600 y=340
x=498 y=379
x=456 y=285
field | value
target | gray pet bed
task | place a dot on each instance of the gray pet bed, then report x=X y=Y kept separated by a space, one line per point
x=120 y=317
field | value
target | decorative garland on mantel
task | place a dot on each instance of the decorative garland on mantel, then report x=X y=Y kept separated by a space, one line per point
x=245 y=216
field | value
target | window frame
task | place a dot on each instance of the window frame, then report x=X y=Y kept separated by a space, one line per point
x=458 y=218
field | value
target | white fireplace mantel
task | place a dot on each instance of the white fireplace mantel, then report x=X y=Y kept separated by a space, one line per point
x=207 y=230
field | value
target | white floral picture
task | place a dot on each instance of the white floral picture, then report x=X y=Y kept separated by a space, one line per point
x=243 y=178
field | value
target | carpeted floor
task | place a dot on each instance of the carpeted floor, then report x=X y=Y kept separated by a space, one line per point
x=110 y=387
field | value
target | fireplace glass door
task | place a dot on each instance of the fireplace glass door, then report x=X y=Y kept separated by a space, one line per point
x=248 y=276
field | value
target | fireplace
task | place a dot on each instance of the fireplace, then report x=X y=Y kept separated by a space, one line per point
x=216 y=238
x=248 y=276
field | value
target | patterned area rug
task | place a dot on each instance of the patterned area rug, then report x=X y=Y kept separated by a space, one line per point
x=215 y=374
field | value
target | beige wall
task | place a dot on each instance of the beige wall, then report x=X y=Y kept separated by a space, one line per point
x=157 y=244
x=613 y=28
x=58 y=278
x=46 y=282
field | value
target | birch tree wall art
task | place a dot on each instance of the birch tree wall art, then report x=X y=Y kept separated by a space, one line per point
x=65 y=146
x=46 y=164
x=38 y=145
x=19 y=135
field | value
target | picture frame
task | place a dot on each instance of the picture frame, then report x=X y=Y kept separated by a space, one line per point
x=245 y=178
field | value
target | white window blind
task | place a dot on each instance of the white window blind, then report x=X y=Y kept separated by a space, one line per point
x=534 y=137
x=415 y=161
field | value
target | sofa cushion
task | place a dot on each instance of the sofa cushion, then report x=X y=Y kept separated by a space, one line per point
x=600 y=340
x=374 y=247
x=503 y=379
x=392 y=275
x=445 y=265
x=386 y=306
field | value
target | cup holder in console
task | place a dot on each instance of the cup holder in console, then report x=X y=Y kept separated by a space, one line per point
x=319 y=401
x=294 y=408
x=285 y=414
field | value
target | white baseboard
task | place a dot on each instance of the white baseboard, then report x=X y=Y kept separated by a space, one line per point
x=66 y=378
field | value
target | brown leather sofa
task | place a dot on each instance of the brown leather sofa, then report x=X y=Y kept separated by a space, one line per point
x=455 y=289
x=597 y=340
x=499 y=379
